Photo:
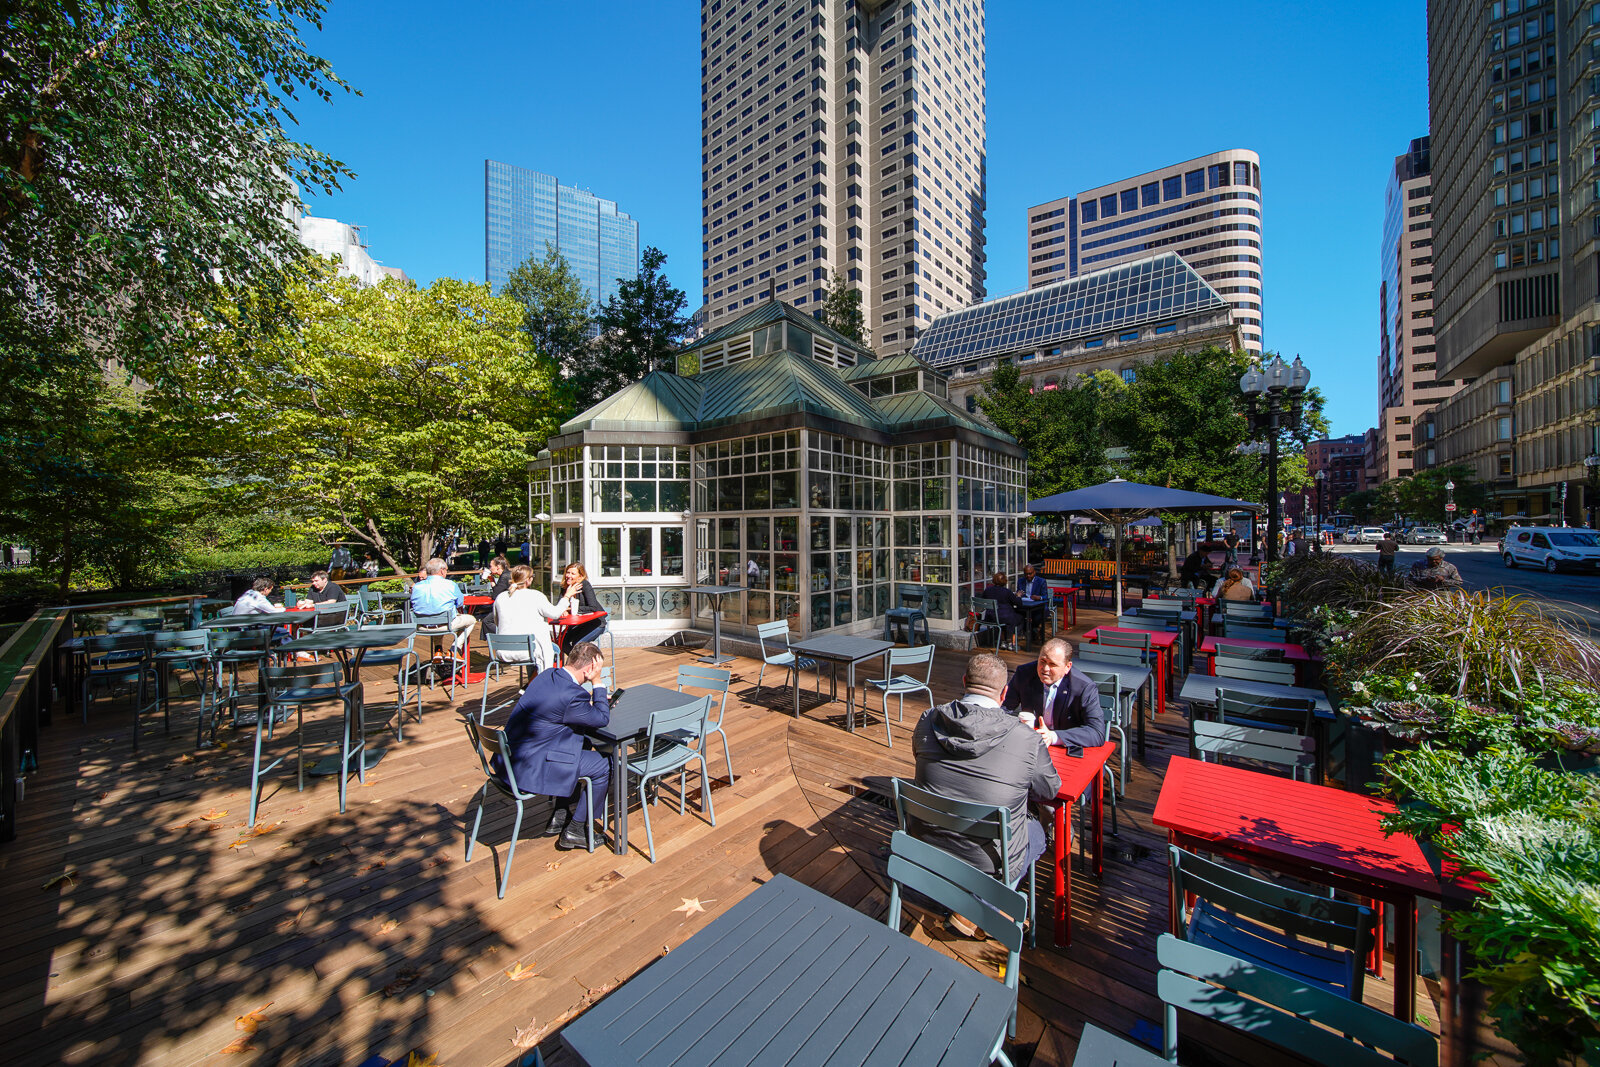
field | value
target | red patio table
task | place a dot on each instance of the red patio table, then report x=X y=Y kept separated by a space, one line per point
x=1166 y=642
x=560 y=627
x=1078 y=773
x=1296 y=654
x=1067 y=594
x=1324 y=835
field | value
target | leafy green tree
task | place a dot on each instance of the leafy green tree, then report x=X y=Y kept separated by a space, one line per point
x=641 y=326
x=143 y=155
x=1061 y=428
x=393 y=413
x=557 y=311
x=842 y=310
x=1422 y=496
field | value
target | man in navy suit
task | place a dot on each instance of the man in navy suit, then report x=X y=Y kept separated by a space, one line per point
x=547 y=753
x=1066 y=703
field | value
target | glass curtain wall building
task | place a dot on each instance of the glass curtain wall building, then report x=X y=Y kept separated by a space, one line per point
x=525 y=211
x=785 y=459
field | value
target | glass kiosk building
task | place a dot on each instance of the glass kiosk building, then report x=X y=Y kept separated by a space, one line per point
x=786 y=459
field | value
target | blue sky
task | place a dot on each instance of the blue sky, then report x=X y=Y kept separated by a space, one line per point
x=607 y=96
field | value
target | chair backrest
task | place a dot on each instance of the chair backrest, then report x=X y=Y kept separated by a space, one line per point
x=987 y=611
x=986 y=822
x=249 y=639
x=302 y=676
x=917 y=593
x=1110 y=685
x=687 y=721
x=487 y=742
x=1113 y=654
x=1254 y=631
x=437 y=623
x=1238 y=651
x=134 y=624
x=1160 y=606
x=1219 y=894
x=961 y=887
x=772 y=631
x=920 y=656
x=1214 y=739
x=1153 y=624
x=1113 y=639
x=1243 y=609
x=1265 y=712
x=520 y=644
x=172 y=640
x=290 y=597
x=132 y=641
x=1254 y=670
x=712 y=678
x=332 y=616
x=1265 y=1004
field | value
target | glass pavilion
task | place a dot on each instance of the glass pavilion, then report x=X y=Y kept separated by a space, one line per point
x=785 y=459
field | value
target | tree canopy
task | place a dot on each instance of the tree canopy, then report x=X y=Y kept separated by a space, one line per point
x=557 y=311
x=1062 y=429
x=641 y=326
x=1420 y=497
x=842 y=310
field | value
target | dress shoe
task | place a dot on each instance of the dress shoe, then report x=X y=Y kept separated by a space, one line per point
x=572 y=837
x=559 y=819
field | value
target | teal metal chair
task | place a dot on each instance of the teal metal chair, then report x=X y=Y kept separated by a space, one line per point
x=667 y=749
x=1133 y=657
x=290 y=597
x=1312 y=1023
x=177 y=650
x=965 y=890
x=985 y=618
x=437 y=627
x=488 y=742
x=1262 y=631
x=507 y=651
x=1284 y=714
x=913 y=599
x=915 y=661
x=1213 y=741
x=767 y=634
x=228 y=650
x=119 y=661
x=1225 y=647
x=1253 y=670
x=407 y=678
x=1117 y=704
x=295 y=688
x=1312 y=938
x=985 y=822
x=716 y=681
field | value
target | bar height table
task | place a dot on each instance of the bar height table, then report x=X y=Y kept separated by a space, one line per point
x=714 y=595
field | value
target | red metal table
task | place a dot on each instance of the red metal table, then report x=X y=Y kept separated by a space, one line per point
x=1067 y=594
x=1078 y=774
x=1295 y=654
x=1166 y=642
x=1324 y=835
x=559 y=628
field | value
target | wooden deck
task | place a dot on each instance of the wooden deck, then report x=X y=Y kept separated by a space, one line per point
x=144 y=923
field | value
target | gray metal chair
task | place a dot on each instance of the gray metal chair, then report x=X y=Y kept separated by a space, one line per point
x=507 y=650
x=406 y=662
x=437 y=627
x=484 y=738
x=984 y=822
x=1225 y=647
x=1282 y=713
x=1264 y=631
x=121 y=660
x=1133 y=657
x=1312 y=938
x=914 y=660
x=227 y=651
x=909 y=614
x=176 y=650
x=1253 y=670
x=297 y=687
x=997 y=908
x=985 y=617
x=1214 y=740
x=717 y=681
x=667 y=749
x=769 y=632
x=1116 y=703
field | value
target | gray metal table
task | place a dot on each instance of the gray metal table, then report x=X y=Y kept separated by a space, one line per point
x=1097 y=1048
x=630 y=723
x=838 y=648
x=790 y=976
x=714 y=595
x=1141 y=676
x=350 y=646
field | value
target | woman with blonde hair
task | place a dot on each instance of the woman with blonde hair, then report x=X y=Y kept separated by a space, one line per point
x=522 y=609
x=1235 y=586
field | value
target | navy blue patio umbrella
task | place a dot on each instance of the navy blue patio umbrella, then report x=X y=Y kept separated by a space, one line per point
x=1119 y=502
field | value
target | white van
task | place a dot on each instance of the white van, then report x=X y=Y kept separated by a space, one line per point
x=1552 y=547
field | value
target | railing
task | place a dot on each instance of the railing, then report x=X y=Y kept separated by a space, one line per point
x=29 y=667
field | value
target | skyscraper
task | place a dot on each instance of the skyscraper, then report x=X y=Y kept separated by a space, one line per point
x=843 y=136
x=525 y=210
x=1208 y=210
x=1408 y=380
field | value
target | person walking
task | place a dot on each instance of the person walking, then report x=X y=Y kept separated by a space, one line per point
x=1387 y=548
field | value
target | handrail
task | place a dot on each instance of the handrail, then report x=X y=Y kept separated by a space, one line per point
x=28 y=665
x=44 y=629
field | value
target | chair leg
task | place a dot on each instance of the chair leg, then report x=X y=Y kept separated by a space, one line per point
x=511 y=851
x=472 y=838
x=649 y=835
x=705 y=792
x=255 y=777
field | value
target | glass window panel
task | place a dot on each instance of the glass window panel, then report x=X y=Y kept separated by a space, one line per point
x=610 y=551
x=639 y=604
x=842 y=613
x=728 y=568
x=730 y=494
x=757 y=534
x=821 y=611
x=842 y=570
x=757 y=491
x=786 y=572
x=672 y=551
x=820 y=578
x=641 y=555
x=674 y=604
x=758 y=608
x=674 y=496
x=819 y=534
x=786 y=533
x=786 y=490
x=608 y=496
x=641 y=496
x=728 y=534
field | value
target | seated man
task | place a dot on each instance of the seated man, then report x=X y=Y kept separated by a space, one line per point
x=254 y=600
x=1034 y=587
x=1067 y=704
x=972 y=749
x=323 y=591
x=547 y=754
x=435 y=594
x=1434 y=573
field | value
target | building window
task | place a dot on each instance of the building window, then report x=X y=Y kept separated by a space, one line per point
x=1502 y=428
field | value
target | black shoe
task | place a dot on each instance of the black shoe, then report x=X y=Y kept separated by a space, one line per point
x=574 y=836
x=559 y=820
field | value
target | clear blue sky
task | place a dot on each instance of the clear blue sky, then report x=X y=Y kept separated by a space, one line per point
x=607 y=96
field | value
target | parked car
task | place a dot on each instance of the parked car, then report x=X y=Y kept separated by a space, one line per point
x=1370 y=535
x=1552 y=547
x=1426 y=535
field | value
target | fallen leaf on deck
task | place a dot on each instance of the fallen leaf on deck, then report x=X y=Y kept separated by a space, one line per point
x=553 y=866
x=241 y=1044
x=526 y=1036
x=401 y=983
x=415 y=1059
x=372 y=867
x=213 y=815
x=186 y=758
x=252 y=1022
x=390 y=925
x=297 y=811
x=519 y=973
x=240 y=909
x=69 y=877
x=435 y=863
x=292 y=922
x=564 y=905
x=246 y=837
x=692 y=906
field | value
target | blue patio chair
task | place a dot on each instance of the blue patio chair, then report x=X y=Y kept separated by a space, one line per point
x=506 y=651
x=407 y=678
x=913 y=600
x=297 y=687
x=769 y=633
x=716 y=681
x=436 y=627
x=667 y=749
x=177 y=650
x=917 y=660
x=1253 y=670
x=118 y=661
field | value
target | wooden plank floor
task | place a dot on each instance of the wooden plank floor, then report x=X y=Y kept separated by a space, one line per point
x=367 y=933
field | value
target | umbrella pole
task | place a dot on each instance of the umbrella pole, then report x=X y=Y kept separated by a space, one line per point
x=1117 y=570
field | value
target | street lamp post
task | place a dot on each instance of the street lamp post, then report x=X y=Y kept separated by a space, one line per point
x=1449 y=505
x=1272 y=394
x=1322 y=483
x=1591 y=491
x=1253 y=448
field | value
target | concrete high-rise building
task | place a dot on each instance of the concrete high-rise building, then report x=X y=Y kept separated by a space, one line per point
x=1208 y=210
x=330 y=238
x=843 y=136
x=1408 y=380
x=1512 y=104
x=525 y=211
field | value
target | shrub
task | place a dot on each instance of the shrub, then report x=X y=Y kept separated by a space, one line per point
x=1314 y=580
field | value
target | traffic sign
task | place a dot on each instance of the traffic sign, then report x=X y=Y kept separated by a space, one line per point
x=1449 y=507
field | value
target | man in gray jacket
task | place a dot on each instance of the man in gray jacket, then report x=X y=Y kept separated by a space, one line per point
x=973 y=749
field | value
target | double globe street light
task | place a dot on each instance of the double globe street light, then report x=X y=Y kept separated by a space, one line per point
x=1272 y=398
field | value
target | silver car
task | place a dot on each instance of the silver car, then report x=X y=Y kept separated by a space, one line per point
x=1370 y=535
x=1426 y=535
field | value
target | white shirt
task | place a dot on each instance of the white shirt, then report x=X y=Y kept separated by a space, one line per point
x=1048 y=712
x=528 y=611
x=978 y=699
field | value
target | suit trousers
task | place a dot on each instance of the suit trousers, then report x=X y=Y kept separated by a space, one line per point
x=595 y=766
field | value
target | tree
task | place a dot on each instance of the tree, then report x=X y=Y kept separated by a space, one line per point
x=842 y=311
x=143 y=156
x=641 y=326
x=393 y=413
x=557 y=311
x=1061 y=428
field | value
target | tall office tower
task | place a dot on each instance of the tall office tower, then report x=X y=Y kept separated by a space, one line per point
x=1511 y=105
x=1208 y=210
x=843 y=136
x=523 y=211
x=1408 y=382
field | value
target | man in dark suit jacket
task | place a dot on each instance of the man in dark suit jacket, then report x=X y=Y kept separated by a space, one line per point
x=1067 y=703
x=547 y=754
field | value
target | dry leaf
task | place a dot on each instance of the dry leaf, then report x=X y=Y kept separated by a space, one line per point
x=564 y=905
x=414 y=1059
x=240 y=909
x=401 y=983
x=692 y=906
x=68 y=877
x=372 y=867
x=390 y=925
x=241 y=1044
x=527 y=1036
x=553 y=865
x=213 y=815
x=246 y=837
x=252 y=1022
x=298 y=810
x=519 y=973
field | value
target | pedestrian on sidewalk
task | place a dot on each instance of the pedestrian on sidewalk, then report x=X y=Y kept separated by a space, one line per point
x=1386 y=553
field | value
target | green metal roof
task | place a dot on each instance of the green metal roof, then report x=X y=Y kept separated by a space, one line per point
x=915 y=411
x=780 y=384
x=879 y=367
x=662 y=401
x=771 y=312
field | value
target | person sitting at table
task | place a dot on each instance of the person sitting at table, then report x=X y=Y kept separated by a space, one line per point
x=323 y=591
x=972 y=749
x=253 y=601
x=1034 y=587
x=1196 y=569
x=1010 y=607
x=522 y=609
x=548 y=755
x=436 y=594
x=1234 y=586
x=498 y=575
x=1066 y=704
x=581 y=600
